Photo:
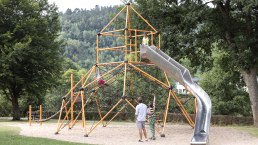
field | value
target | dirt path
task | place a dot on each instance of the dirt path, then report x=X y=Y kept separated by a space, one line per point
x=126 y=134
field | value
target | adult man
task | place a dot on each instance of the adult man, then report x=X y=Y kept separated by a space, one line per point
x=140 y=115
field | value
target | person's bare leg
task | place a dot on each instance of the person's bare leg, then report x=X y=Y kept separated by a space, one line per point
x=140 y=133
x=144 y=133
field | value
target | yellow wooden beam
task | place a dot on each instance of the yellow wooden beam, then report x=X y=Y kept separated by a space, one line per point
x=116 y=114
x=118 y=30
x=144 y=19
x=30 y=113
x=113 y=19
x=104 y=117
x=72 y=115
x=149 y=76
x=182 y=108
x=166 y=112
x=40 y=114
x=112 y=48
x=104 y=74
x=125 y=73
x=76 y=85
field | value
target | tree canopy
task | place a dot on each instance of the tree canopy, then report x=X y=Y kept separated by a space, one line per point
x=31 y=58
x=192 y=28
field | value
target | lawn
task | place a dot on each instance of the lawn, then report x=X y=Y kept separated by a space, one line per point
x=9 y=135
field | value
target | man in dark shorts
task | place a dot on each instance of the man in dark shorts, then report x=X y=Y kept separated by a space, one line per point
x=140 y=115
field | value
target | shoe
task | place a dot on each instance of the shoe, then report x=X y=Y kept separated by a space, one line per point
x=146 y=140
x=153 y=138
x=140 y=140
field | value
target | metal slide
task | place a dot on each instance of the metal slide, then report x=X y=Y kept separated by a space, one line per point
x=183 y=76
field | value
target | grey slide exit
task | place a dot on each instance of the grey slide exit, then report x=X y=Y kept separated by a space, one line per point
x=182 y=75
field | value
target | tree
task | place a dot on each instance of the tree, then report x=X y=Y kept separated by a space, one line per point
x=238 y=36
x=191 y=27
x=225 y=88
x=30 y=53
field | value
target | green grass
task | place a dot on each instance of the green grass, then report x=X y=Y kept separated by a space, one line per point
x=10 y=136
x=250 y=129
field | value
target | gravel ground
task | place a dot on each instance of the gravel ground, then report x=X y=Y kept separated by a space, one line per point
x=127 y=134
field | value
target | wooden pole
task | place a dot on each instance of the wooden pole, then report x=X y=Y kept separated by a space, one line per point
x=111 y=48
x=82 y=99
x=66 y=115
x=110 y=34
x=144 y=19
x=40 y=114
x=69 y=92
x=166 y=113
x=84 y=82
x=118 y=30
x=125 y=44
x=127 y=15
x=159 y=40
x=76 y=118
x=129 y=20
x=104 y=116
x=95 y=96
x=96 y=88
x=97 y=49
x=130 y=104
x=30 y=109
x=94 y=81
x=59 y=118
x=152 y=38
x=66 y=112
x=167 y=106
x=149 y=76
x=83 y=112
x=99 y=109
x=72 y=96
x=116 y=114
x=130 y=50
x=135 y=54
x=195 y=107
x=130 y=33
x=182 y=108
x=138 y=30
x=125 y=79
x=112 y=20
x=166 y=77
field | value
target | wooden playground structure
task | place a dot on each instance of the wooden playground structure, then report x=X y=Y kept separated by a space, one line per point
x=117 y=80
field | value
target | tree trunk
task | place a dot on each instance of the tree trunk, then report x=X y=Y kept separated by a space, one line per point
x=16 y=108
x=252 y=86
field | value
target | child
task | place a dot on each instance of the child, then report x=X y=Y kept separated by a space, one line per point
x=151 y=119
x=101 y=81
x=145 y=39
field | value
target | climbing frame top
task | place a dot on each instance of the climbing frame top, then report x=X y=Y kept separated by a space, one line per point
x=126 y=36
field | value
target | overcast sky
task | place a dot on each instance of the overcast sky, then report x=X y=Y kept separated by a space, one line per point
x=63 y=5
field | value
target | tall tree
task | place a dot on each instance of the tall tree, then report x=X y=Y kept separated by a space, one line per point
x=238 y=33
x=191 y=27
x=30 y=59
x=229 y=96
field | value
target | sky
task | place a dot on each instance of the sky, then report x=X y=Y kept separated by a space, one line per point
x=63 y=5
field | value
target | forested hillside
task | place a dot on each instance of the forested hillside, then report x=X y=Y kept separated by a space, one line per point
x=79 y=30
